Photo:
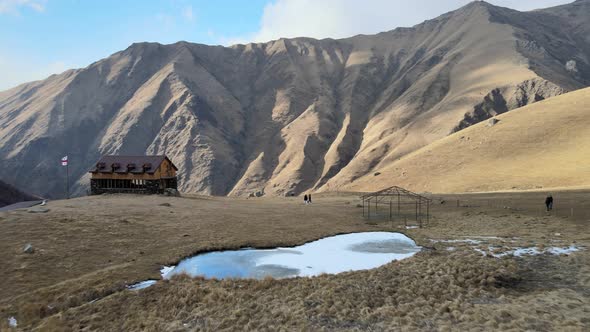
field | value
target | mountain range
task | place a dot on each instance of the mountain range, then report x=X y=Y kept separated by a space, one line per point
x=292 y=115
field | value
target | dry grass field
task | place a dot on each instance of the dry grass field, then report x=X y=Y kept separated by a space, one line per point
x=88 y=249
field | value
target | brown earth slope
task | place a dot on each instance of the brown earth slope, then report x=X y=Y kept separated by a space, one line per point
x=545 y=145
x=292 y=115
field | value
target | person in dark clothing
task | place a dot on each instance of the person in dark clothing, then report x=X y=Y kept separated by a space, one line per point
x=309 y=198
x=549 y=202
x=305 y=199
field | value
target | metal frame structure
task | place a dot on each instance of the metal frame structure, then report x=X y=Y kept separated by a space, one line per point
x=400 y=204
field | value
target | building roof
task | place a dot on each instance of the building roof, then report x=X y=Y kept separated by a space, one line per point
x=129 y=164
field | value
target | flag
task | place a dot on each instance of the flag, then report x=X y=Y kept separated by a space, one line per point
x=64 y=161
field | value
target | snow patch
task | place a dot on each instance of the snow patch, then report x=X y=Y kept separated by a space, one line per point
x=528 y=251
x=336 y=254
x=494 y=238
x=481 y=251
x=571 y=66
x=470 y=241
x=518 y=252
x=562 y=251
x=12 y=322
x=485 y=237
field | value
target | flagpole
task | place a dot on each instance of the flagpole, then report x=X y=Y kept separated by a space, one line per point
x=68 y=180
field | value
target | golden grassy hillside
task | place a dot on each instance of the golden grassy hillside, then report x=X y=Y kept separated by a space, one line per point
x=544 y=145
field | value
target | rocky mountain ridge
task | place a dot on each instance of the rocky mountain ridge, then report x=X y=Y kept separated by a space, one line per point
x=292 y=115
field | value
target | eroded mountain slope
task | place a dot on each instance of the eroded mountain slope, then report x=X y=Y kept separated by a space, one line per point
x=291 y=115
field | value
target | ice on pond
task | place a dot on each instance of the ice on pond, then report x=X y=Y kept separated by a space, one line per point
x=142 y=285
x=165 y=270
x=341 y=253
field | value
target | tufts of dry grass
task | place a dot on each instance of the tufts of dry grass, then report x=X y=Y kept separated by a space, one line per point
x=432 y=289
x=86 y=256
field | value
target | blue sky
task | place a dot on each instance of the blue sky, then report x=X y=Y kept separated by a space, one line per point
x=42 y=37
x=60 y=34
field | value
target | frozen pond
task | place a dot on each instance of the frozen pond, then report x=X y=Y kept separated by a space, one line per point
x=349 y=252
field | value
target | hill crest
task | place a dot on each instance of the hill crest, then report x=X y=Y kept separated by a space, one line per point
x=542 y=146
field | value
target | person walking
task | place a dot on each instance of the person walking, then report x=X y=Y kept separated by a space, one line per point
x=309 y=198
x=305 y=199
x=549 y=202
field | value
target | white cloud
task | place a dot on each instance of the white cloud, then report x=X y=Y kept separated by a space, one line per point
x=345 y=18
x=13 y=6
x=187 y=13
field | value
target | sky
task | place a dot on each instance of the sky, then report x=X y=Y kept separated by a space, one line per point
x=43 y=37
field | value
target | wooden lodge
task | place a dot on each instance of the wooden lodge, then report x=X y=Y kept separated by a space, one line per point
x=133 y=174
